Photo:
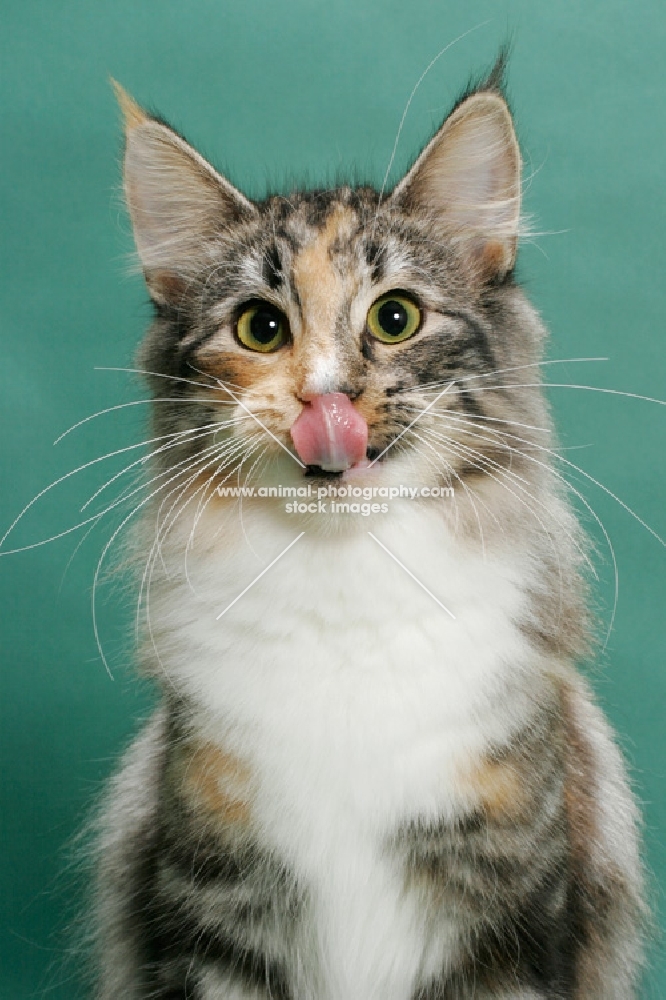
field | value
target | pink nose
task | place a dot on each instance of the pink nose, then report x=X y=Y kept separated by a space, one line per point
x=330 y=433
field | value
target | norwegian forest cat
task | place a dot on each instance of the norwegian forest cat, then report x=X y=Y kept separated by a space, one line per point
x=375 y=773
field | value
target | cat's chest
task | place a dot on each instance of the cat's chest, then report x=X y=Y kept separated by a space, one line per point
x=356 y=702
x=352 y=673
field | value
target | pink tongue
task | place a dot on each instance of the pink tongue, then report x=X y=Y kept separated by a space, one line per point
x=330 y=433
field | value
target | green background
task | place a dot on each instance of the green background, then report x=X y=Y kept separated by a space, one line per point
x=308 y=91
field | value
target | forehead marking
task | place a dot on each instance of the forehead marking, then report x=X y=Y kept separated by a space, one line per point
x=320 y=288
x=321 y=291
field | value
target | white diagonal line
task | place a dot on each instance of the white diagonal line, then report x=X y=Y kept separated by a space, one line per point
x=409 y=573
x=263 y=426
x=409 y=426
x=257 y=578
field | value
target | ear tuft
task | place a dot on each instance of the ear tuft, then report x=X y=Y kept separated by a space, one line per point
x=133 y=115
x=179 y=204
x=466 y=182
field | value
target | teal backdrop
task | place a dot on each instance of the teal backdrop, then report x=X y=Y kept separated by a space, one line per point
x=275 y=92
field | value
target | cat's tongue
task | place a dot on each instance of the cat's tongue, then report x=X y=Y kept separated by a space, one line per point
x=330 y=433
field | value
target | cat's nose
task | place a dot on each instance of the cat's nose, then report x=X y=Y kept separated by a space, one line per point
x=325 y=374
x=307 y=394
x=330 y=432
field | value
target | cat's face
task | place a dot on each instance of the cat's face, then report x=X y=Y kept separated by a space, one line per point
x=329 y=331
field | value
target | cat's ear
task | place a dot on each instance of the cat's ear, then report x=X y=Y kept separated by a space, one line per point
x=467 y=180
x=176 y=200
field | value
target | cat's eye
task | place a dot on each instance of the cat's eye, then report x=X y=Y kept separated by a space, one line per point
x=394 y=318
x=262 y=327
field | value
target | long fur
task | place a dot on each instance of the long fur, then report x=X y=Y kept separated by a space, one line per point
x=360 y=786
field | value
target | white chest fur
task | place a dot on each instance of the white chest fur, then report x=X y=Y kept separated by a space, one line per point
x=354 y=698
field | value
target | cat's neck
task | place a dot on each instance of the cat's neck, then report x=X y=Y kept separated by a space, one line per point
x=284 y=611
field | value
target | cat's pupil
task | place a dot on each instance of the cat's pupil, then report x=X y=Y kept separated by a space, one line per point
x=264 y=325
x=392 y=317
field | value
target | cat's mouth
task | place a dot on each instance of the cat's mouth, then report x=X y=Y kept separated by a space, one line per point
x=319 y=473
x=371 y=456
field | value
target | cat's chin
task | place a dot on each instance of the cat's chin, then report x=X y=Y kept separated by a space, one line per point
x=362 y=469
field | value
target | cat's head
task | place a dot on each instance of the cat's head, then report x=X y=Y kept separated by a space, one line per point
x=323 y=331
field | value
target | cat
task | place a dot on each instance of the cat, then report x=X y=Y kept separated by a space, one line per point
x=375 y=772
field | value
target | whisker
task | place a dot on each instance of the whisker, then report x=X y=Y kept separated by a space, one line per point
x=254 y=444
x=484 y=461
x=582 y=472
x=135 y=402
x=520 y=481
x=62 y=479
x=178 y=437
x=450 y=469
x=431 y=386
x=569 y=385
x=161 y=534
x=78 y=545
x=411 y=97
x=182 y=465
x=45 y=541
x=100 y=563
x=597 y=519
x=240 y=448
x=262 y=425
x=174 y=378
x=155 y=550
x=223 y=454
x=51 y=538
x=144 y=371
x=496 y=420
x=165 y=524
x=240 y=503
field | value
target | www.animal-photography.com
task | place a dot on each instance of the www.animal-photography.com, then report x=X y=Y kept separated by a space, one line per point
x=332 y=540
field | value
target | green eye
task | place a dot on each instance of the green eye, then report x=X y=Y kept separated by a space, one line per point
x=394 y=318
x=262 y=327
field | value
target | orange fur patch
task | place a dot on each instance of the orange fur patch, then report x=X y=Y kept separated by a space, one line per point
x=498 y=788
x=495 y=257
x=216 y=781
x=319 y=286
x=238 y=371
x=322 y=291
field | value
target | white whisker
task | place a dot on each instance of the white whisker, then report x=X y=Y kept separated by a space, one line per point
x=62 y=479
x=163 y=528
x=569 y=385
x=431 y=386
x=596 y=518
x=135 y=402
x=177 y=438
x=261 y=424
x=106 y=548
x=582 y=472
x=411 y=97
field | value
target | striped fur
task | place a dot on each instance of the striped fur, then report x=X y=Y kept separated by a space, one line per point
x=346 y=794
